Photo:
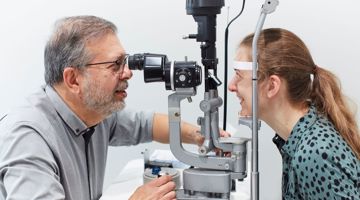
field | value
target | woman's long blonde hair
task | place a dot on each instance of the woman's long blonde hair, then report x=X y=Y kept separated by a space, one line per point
x=282 y=53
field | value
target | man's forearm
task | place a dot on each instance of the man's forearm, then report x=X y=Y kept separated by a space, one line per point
x=189 y=132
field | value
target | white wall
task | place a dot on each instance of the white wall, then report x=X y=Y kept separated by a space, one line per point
x=330 y=28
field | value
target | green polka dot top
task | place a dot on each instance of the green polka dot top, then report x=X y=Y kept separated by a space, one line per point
x=317 y=162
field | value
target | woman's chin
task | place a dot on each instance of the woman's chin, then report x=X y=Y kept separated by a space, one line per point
x=244 y=113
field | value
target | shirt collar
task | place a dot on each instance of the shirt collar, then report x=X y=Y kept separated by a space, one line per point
x=279 y=142
x=301 y=126
x=68 y=116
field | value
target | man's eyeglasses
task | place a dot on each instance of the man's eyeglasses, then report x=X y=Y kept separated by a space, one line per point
x=117 y=65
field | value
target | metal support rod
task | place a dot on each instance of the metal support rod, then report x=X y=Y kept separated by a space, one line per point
x=254 y=141
x=268 y=7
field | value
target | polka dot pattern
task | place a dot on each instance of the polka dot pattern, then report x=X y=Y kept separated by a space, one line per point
x=317 y=162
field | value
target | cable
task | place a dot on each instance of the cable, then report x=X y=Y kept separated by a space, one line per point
x=226 y=63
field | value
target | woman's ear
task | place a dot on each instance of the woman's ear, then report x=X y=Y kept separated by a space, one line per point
x=273 y=86
x=71 y=77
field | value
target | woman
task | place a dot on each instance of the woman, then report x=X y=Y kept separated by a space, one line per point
x=316 y=132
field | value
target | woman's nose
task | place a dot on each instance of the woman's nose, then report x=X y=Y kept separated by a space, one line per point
x=232 y=85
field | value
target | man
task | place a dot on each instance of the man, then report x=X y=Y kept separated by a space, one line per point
x=55 y=146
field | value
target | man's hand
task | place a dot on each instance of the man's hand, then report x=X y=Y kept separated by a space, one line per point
x=158 y=189
x=199 y=139
x=224 y=133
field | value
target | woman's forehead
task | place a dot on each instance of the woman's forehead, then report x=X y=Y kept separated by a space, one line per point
x=242 y=62
x=243 y=54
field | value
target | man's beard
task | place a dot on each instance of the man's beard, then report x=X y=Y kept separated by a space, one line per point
x=101 y=102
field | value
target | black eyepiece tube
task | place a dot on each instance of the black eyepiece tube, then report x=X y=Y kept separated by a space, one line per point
x=136 y=61
x=157 y=68
x=154 y=65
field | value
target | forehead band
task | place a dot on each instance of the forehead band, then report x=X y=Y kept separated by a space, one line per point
x=238 y=65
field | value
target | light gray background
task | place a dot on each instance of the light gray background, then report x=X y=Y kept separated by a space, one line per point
x=331 y=30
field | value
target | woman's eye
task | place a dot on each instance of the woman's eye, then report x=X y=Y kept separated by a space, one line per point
x=238 y=75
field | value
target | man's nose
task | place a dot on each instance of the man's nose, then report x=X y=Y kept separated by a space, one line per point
x=126 y=74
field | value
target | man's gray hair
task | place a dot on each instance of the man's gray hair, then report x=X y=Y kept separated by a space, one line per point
x=67 y=44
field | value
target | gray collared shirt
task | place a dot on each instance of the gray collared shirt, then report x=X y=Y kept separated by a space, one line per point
x=42 y=150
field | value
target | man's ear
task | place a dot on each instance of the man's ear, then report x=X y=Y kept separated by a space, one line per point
x=71 y=78
x=273 y=86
